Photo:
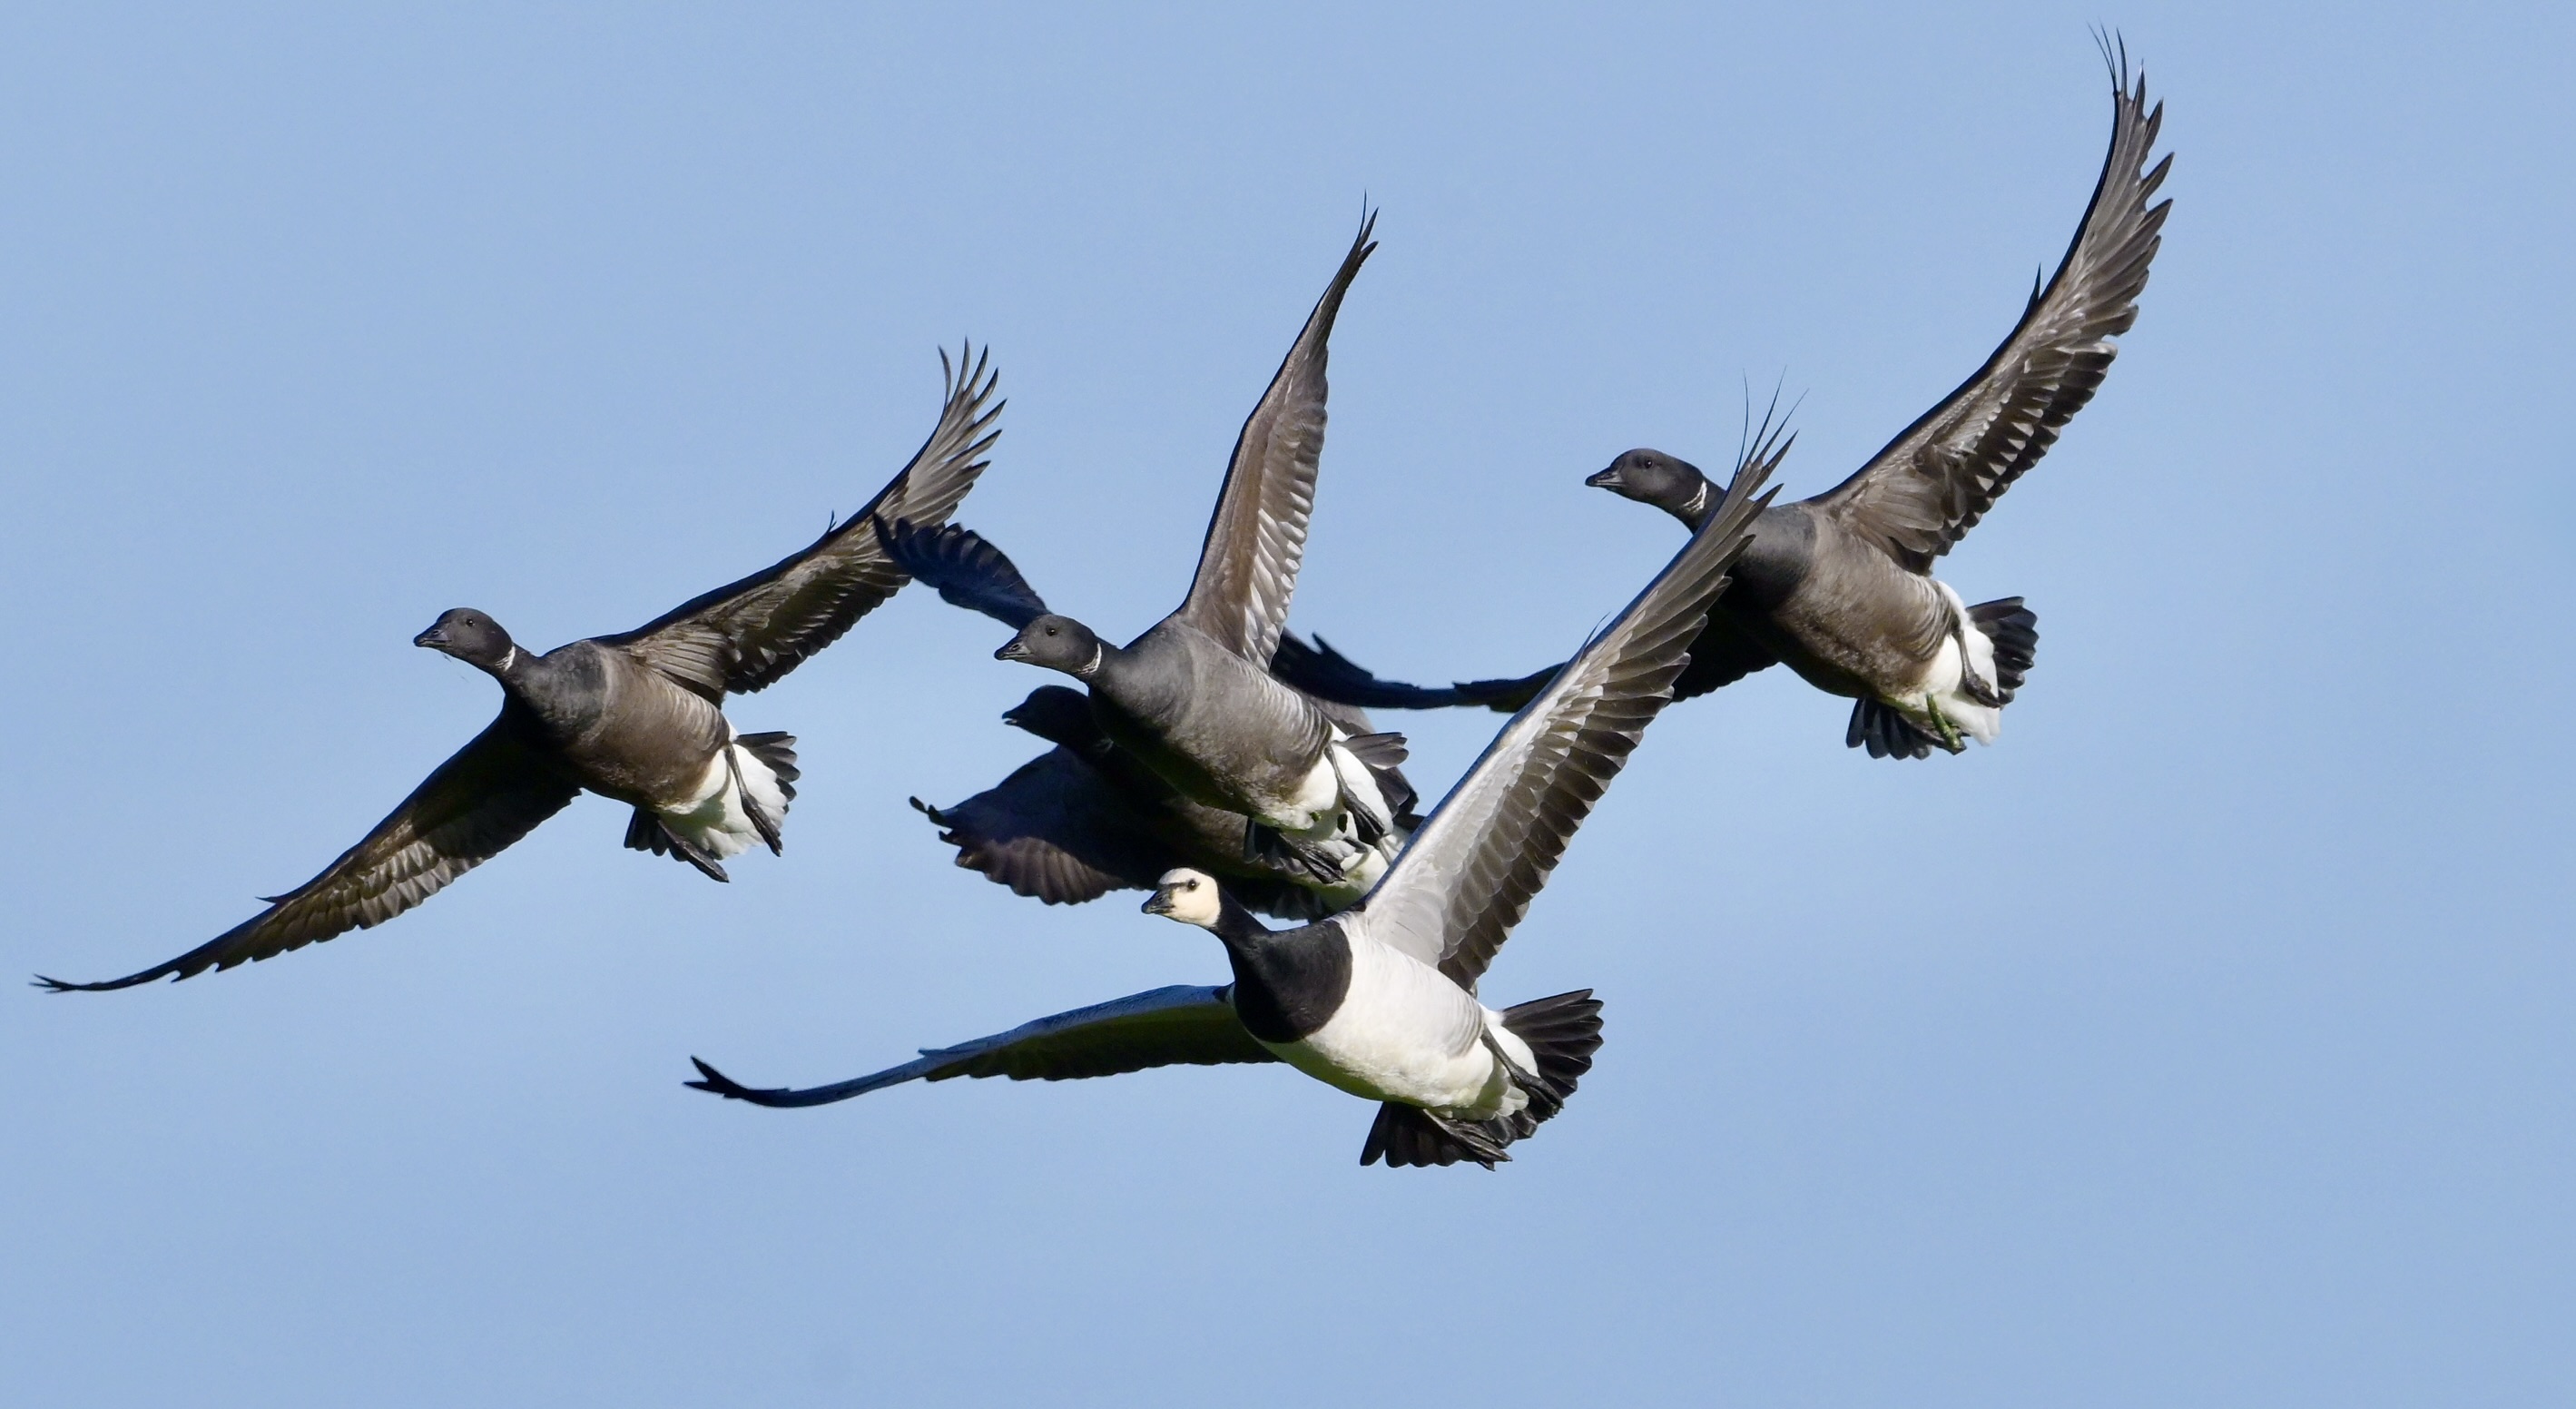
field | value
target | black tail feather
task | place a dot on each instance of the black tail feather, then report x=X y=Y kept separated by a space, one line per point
x=2014 y=629
x=1406 y=1136
x=1877 y=726
x=645 y=832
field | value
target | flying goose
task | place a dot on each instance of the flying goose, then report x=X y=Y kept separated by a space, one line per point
x=636 y=717
x=1839 y=586
x=1193 y=698
x=1380 y=1000
x=1085 y=818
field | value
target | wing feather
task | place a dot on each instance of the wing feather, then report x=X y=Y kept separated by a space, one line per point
x=1257 y=537
x=1174 y=1026
x=1470 y=872
x=494 y=791
x=1930 y=485
x=743 y=636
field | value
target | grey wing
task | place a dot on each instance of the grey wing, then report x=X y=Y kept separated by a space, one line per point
x=1327 y=674
x=1174 y=1026
x=1257 y=537
x=1931 y=484
x=494 y=791
x=1055 y=831
x=745 y=635
x=1469 y=874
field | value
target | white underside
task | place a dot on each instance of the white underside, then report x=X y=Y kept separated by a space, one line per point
x=1319 y=816
x=1942 y=685
x=714 y=820
x=1404 y=1032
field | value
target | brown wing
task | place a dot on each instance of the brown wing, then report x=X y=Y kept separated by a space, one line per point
x=1257 y=538
x=493 y=792
x=743 y=636
x=1932 y=483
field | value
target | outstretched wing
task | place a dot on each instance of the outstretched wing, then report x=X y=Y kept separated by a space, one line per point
x=1327 y=674
x=493 y=792
x=1248 y=565
x=1468 y=875
x=1166 y=1027
x=743 y=636
x=1054 y=831
x=1932 y=483
x=1722 y=655
x=964 y=569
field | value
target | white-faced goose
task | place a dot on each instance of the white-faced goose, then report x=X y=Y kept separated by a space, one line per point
x=1193 y=698
x=1085 y=818
x=636 y=717
x=1380 y=1000
x=1839 y=586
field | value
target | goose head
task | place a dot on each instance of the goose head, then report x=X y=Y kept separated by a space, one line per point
x=1057 y=643
x=472 y=637
x=1188 y=896
x=1652 y=477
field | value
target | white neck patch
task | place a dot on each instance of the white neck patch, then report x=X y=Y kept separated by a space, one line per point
x=506 y=661
x=1097 y=651
x=1698 y=498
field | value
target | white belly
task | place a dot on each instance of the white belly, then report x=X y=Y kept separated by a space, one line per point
x=714 y=818
x=1404 y=1032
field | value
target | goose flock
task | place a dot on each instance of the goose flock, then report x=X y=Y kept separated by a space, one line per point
x=1227 y=767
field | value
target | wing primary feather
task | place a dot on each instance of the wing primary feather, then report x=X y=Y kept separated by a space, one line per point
x=1468 y=875
x=1180 y=1025
x=746 y=635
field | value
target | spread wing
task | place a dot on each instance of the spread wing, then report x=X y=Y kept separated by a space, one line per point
x=1248 y=565
x=1932 y=483
x=1469 y=874
x=493 y=792
x=1166 y=1027
x=1054 y=831
x=964 y=569
x=1328 y=675
x=743 y=636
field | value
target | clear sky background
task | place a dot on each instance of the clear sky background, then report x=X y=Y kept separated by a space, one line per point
x=2210 y=1040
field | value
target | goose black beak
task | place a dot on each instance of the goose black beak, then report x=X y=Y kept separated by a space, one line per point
x=433 y=638
x=1605 y=479
x=1159 y=903
x=1012 y=650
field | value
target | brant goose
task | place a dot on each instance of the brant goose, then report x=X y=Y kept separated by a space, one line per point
x=636 y=717
x=1839 y=586
x=1193 y=698
x=1380 y=1001
x=1085 y=818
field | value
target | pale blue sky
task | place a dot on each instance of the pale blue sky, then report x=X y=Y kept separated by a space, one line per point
x=2208 y=1041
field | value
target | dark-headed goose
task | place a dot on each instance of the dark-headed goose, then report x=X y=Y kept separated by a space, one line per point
x=1839 y=586
x=1380 y=1000
x=636 y=717
x=1193 y=698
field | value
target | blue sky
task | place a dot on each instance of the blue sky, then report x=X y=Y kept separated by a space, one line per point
x=2206 y=1041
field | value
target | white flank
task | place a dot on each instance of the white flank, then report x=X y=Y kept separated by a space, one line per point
x=1944 y=681
x=714 y=820
x=1404 y=1032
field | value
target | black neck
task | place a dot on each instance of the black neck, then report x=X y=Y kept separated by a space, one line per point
x=1287 y=983
x=1700 y=506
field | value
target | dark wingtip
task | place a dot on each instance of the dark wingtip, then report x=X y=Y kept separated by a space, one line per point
x=712 y=1080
